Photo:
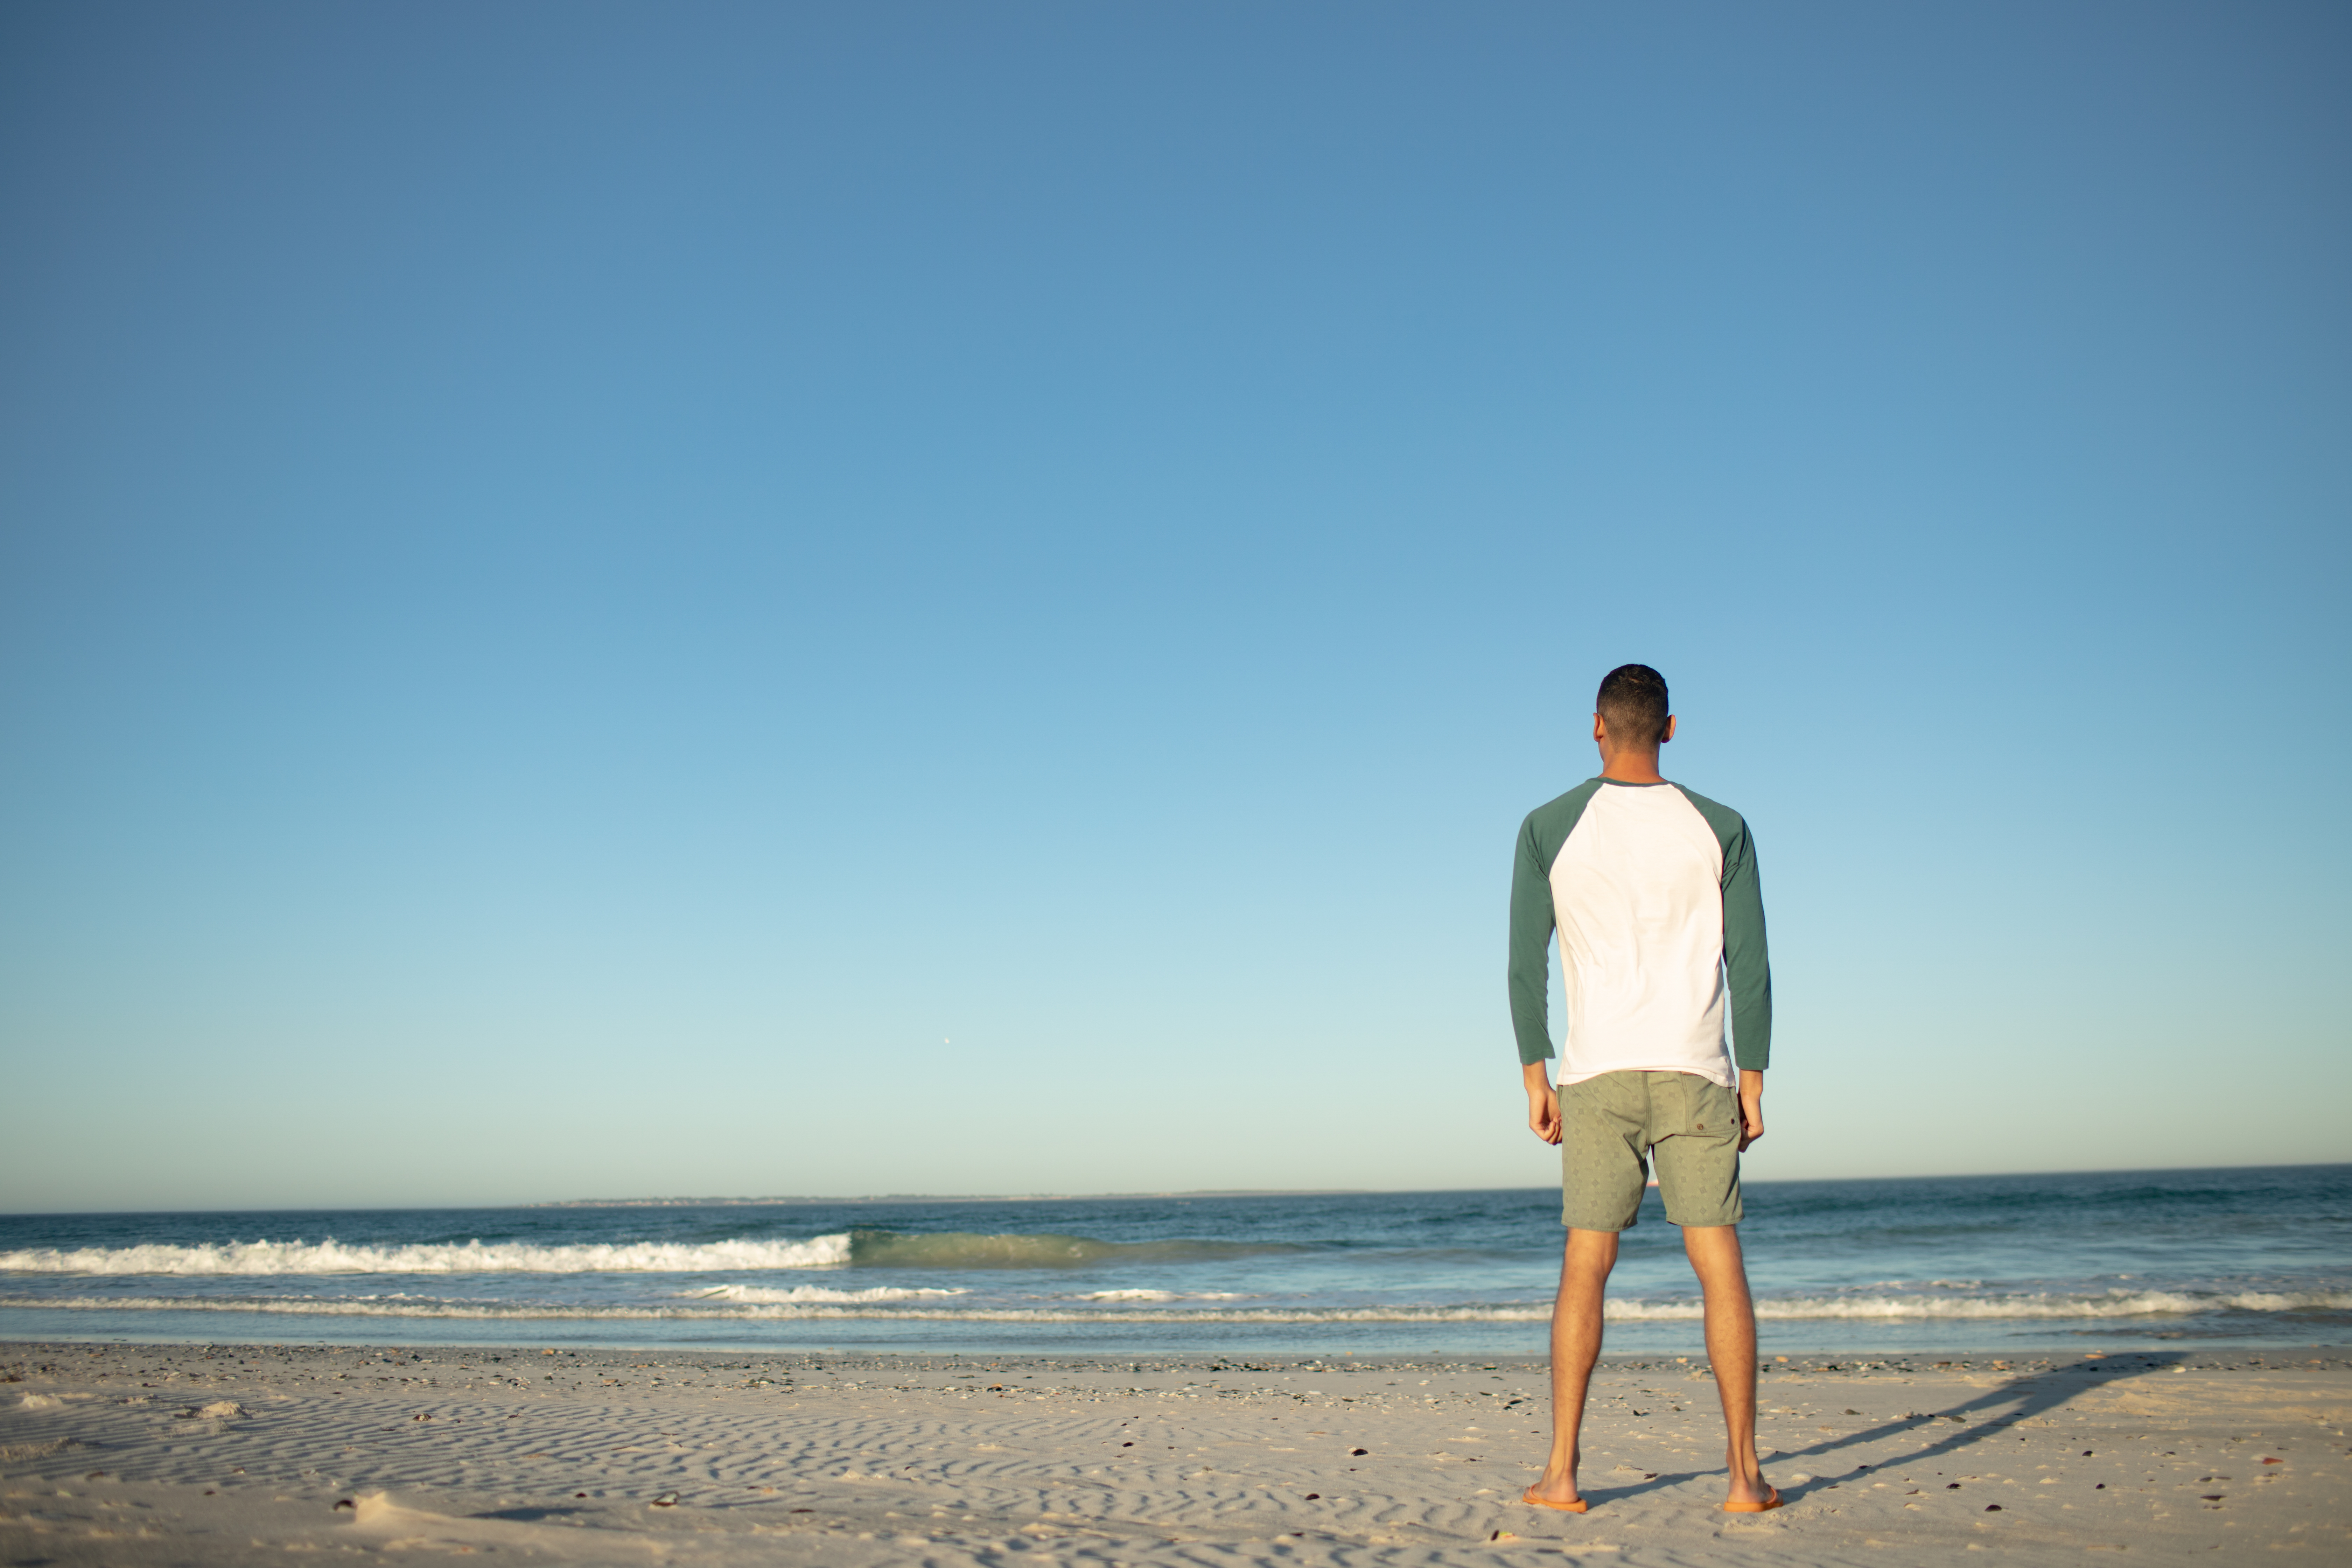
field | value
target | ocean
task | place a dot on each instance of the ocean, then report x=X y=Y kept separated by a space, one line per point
x=2109 y=1261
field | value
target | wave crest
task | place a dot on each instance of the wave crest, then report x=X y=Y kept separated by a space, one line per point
x=768 y=1295
x=971 y=1249
x=332 y=1257
x=863 y=1249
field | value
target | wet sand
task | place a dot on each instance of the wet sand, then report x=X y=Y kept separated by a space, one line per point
x=140 y=1455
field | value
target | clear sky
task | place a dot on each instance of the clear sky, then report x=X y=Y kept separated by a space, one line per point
x=582 y=587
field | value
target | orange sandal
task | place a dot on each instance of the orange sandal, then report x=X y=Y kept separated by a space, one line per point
x=1770 y=1502
x=1579 y=1506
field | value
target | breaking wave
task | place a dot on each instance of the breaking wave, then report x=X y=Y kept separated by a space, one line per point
x=766 y=1295
x=967 y=1249
x=332 y=1257
x=861 y=1248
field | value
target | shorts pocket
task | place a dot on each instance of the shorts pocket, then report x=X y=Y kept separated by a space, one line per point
x=1710 y=1111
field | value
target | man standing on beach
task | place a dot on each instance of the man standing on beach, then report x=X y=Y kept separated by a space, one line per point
x=1653 y=892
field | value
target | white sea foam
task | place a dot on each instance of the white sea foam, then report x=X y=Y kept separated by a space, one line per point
x=971 y=1249
x=330 y=1256
x=768 y=1295
x=943 y=1249
x=2020 y=1307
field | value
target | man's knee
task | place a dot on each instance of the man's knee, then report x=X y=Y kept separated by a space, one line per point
x=1588 y=1251
x=1713 y=1246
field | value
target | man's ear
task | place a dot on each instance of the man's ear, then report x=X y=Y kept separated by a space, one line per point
x=1668 y=733
x=1599 y=728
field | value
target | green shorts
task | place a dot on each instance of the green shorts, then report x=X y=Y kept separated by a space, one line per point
x=1613 y=1125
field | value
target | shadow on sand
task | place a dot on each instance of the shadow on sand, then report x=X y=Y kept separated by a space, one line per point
x=529 y=1515
x=1958 y=1427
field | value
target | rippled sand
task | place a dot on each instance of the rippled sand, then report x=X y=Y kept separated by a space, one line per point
x=140 y=1455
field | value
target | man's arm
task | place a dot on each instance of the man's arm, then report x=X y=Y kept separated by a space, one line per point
x=1530 y=980
x=1747 y=965
x=1530 y=967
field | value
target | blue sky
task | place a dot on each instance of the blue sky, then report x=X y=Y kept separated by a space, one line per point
x=582 y=587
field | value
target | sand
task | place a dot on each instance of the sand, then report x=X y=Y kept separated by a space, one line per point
x=141 y=1455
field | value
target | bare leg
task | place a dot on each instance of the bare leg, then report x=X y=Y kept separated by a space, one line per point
x=1715 y=1259
x=1584 y=1265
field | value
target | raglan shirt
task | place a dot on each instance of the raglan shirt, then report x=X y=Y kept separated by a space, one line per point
x=1653 y=891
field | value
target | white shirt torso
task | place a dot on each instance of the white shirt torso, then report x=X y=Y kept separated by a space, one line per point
x=1637 y=899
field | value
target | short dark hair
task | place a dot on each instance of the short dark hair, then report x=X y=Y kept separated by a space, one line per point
x=1632 y=703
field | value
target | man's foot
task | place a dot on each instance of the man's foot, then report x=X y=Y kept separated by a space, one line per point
x=1556 y=1491
x=1770 y=1499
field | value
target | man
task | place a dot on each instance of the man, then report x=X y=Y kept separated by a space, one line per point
x=1653 y=892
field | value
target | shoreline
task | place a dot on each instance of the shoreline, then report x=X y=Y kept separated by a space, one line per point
x=1910 y=1362
x=133 y=1454
x=766 y=1338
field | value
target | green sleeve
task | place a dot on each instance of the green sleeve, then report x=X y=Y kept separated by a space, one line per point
x=1547 y=827
x=1746 y=963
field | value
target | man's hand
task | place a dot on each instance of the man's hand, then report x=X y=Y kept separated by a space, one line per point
x=1751 y=1107
x=1543 y=1102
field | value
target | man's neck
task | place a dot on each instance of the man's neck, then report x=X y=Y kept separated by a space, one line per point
x=1632 y=767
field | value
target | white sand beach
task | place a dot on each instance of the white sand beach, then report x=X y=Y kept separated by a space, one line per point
x=141 y=1455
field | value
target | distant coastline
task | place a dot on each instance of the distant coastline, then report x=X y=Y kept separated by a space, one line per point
x=939 y=1198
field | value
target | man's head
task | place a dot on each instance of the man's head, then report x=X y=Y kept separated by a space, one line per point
x=1633 y=708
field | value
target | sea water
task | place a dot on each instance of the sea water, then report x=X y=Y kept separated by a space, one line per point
x=2108 y=1261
